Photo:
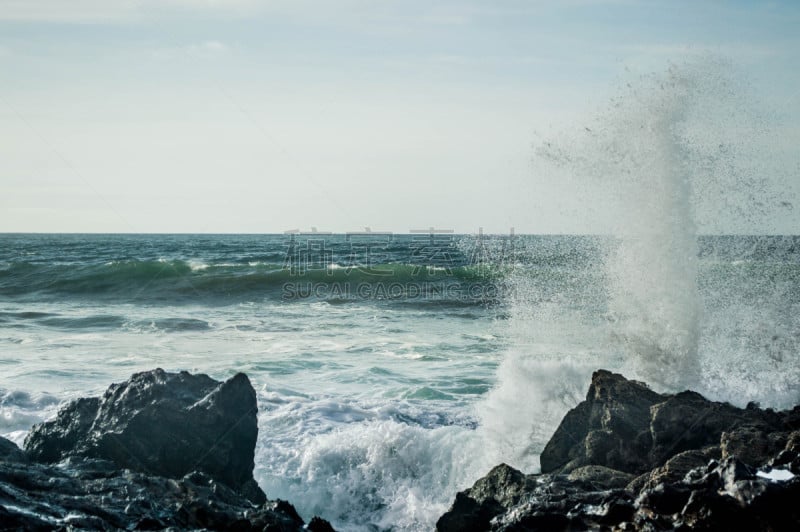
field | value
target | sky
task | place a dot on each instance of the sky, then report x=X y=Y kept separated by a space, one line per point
x=266 y=116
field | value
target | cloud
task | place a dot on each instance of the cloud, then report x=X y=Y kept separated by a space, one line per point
x=749 y=51
x=104 y=11
x=207 y=49
x=76 y=11
x=202 y=50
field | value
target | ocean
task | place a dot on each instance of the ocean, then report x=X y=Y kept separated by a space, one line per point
x=394 y=370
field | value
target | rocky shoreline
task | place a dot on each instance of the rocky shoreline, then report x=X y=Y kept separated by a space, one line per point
x=628 y=458
x=175 y=450
x=160 y=450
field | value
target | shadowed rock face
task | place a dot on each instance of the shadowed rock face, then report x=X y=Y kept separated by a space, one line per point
x=624 y=425
x=95 y=495
x=159 y=450
x=611 y=427
x=165 y=424
x=628 y=458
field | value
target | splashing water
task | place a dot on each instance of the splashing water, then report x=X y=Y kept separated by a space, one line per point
x=675 y=154
x=682 y=151
x=653 y=270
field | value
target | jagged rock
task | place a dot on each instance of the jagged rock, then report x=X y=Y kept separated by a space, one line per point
x=752 y=445
x=507 y=499
x=789 y=458
x=793 y=441
x=10 y=452
x=676 y=468
x=610 y=428
x=685 y=449
x=161 y=450
x=600 y=478
x=626 y=426
x=492 y=495
x=88 y=494
x=160 y=423
x=690 y=421
x=728 y=495
x=319 y=525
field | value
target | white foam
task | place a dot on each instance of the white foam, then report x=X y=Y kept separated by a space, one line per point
x=380 y=473
x=776 y=475
x=197 y=266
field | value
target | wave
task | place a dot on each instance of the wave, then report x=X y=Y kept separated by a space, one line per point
x=180 y=280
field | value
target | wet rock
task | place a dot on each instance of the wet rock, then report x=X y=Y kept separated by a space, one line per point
x=752 y=445
x=161 y=450
x=166 y=424
x=701 y=465
x=676 y=468
x=319 y=525
x=10 y=452
x=506 y=499
x=492 y=495
x=731 y=495
x=82 y=496
x=54 y=440
x=610 y=428
x=626 y=426
x=599 y=477
x=690 y=421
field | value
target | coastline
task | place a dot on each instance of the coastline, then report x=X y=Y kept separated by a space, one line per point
x=167 y=450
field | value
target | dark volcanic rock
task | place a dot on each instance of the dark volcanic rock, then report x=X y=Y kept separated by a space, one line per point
x=676 y=468
x=610 y=428
x=160 y=423
x=91 y=494
x=752 y=445
x=9 y=451
x=492 y=495
x=506 y=499
x=701 y=465
x=161 y=450
x=690 y=421
x=600 y=477
x=626 y=426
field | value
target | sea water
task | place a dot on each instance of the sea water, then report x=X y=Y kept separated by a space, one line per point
x=374 y=410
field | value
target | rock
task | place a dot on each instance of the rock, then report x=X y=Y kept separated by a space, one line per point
x=319 y=525
x=793 y=441
x=675 y=469
x=690 y=421
x=610 y=428
x=789 y=457
x=10 y=452
x=730 y=495
x=503 y=484
x=492 y=495
x=89 y=495
x=53 y=440
x=161 y=450
x=701 y=465
x=600 y=478
x=506 y=499
x=752 y=445
x=166 y=424
x=623 y=425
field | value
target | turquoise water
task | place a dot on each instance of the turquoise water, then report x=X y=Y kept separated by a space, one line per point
x=377 y=404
